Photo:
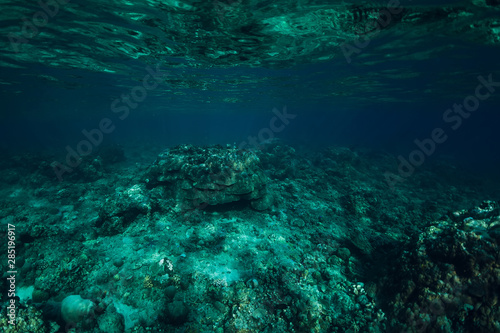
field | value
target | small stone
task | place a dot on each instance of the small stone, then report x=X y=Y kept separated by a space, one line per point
x=344 y=253
x=118 y=262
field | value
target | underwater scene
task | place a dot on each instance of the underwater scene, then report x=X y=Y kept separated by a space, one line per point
x=249 y=166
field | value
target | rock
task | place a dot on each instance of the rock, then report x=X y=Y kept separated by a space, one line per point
x=119 y=211
x=170 y=292
x=111 y=321
x=200 y=176
x=74 y=308
x=40 y=296
x=262 y=203
x=344 y=253
x=177 y=312
x=118 y=262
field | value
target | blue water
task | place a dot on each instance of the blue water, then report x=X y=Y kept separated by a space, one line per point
x=38 y=114
x=226 y=166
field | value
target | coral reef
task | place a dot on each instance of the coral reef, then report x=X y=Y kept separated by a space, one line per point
x=166 y=246
x=449 y=277
x=198 y=176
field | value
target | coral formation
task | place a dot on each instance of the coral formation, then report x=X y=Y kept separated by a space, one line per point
x=198 y=176
x=74 y=309
x=336 y=251
x=448 y=279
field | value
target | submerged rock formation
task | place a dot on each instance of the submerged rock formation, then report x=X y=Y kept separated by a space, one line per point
x=201 y=176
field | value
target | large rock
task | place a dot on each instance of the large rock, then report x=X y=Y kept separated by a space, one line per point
x=121 y=209
x=200 y=176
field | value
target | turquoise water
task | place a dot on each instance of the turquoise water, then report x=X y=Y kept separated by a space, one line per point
x=250 y=166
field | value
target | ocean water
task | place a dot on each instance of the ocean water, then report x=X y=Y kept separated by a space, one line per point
x=250 y=166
